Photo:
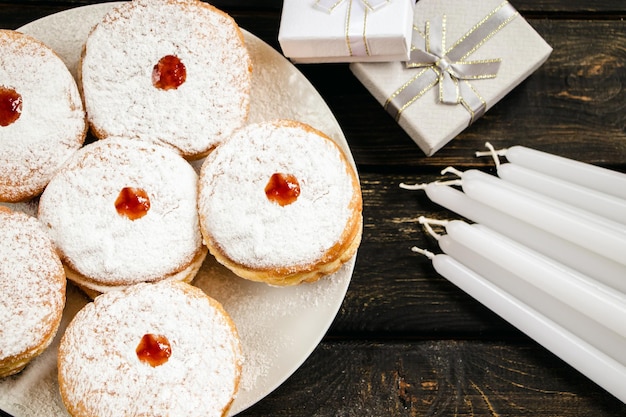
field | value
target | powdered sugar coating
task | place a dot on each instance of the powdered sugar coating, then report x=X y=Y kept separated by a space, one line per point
x=52 y=124
x=117 y=66
x=32 y=284
x=280 y=90
x=101 y=375
x=78 y=210
x=252 y=230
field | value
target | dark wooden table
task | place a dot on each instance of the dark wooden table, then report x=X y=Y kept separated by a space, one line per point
x=406 y=342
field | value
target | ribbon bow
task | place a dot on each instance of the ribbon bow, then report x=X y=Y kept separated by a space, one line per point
x=448 y=68
x=356 y=21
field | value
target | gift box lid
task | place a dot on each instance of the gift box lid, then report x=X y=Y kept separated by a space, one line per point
x=317 y=31
x=478 y=52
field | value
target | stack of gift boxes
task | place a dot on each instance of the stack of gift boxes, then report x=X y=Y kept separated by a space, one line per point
x=436 y=65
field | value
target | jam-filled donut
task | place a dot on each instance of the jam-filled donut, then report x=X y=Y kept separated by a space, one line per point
x=280 y=203
x=122 y=212
x=32 y=284
x=176 y=72
x=164 y=349
x=42 y=120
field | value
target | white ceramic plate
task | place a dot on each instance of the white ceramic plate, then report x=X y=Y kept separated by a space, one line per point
x=279 y=327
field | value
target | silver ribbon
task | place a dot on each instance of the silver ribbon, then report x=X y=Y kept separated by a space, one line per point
x=447 y=67
x=356 y=21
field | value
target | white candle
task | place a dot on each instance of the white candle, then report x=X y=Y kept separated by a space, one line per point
x=606 y=205
x=589 y=263
x=580 y=293
x=593 y=362
x=593 y=232
x=587 y=175
x=569 y=318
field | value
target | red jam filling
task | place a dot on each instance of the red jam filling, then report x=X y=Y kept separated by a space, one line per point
x=154 y=349
x=169 y=73
x=10 y=106
x=282 y=189
x=132 y=203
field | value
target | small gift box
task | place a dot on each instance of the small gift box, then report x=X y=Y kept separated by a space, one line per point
x=465 y=57
x=316 y=31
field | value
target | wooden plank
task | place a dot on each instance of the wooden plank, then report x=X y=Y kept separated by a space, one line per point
x=397 y=292
x=425 y=378
x=13 y=15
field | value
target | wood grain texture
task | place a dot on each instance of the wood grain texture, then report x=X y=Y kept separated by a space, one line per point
x=395 y=292
x=435 y=378
x=407 y=342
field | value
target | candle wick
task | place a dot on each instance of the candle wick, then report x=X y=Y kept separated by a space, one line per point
x=427 y=223
x=424 y=252
x=422 y=186
x=452 y=170
x=493 y=153
x=412 y=187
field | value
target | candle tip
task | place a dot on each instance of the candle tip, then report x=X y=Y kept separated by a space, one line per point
x=424 y=185
x=412 y=187
x=424 y=252
x=492 y=152
x=452 y=170
x=428 y=223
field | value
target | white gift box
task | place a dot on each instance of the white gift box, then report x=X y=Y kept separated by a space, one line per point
x=467 y=55
x=317 y=31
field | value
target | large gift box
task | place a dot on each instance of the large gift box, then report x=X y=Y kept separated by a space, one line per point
x=316 y=31
x=466 y=56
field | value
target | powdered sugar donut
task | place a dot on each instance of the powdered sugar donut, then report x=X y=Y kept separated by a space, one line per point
x=42 y=121
x=280 y=203
x=32 y=284
x=176 y=72
x=125 y=354
x=122 y=212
